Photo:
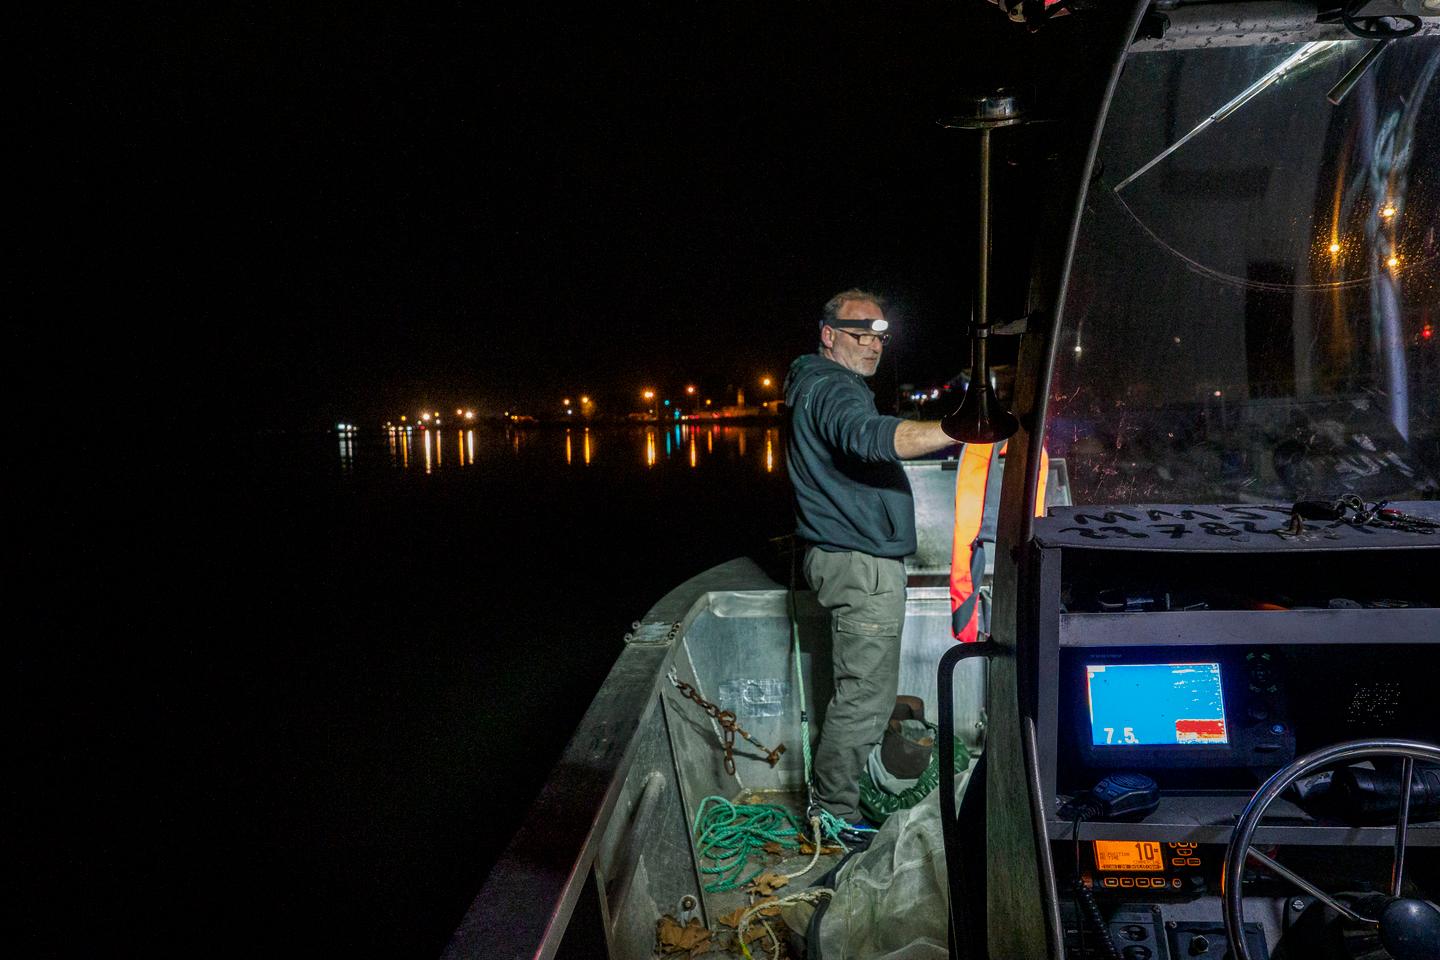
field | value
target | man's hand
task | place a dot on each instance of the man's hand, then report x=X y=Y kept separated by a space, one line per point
x=914 y=438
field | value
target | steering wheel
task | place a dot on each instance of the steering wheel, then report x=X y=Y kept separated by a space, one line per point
x=1408 y=928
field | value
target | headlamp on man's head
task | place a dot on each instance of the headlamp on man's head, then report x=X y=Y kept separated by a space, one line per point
x=874 y=326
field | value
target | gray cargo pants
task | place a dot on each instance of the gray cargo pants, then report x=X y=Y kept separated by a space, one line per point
x=866 y=599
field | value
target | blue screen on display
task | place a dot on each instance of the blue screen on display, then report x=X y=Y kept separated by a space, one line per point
x=1156 y=704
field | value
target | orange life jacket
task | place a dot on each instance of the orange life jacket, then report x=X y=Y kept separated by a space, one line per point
x=967 y=556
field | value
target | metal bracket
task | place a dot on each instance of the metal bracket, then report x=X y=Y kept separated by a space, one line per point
x=657 y=634
x=1014 y=328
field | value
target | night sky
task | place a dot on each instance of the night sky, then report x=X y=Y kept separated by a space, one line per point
x=345 y=213
x=254 y=218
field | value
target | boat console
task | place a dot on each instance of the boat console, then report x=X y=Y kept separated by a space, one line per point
x=1186 y=657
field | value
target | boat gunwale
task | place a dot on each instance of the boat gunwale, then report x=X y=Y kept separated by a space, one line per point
x=550 y=856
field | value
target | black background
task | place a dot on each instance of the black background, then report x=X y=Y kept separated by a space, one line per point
x=305 y=216
x=252 y=717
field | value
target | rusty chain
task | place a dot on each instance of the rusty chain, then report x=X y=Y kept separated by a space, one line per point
x=726 y=719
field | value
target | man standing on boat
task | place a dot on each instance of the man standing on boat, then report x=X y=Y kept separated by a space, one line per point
x=855 y=512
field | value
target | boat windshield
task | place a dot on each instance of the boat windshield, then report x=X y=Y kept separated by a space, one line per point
x=1252 y=308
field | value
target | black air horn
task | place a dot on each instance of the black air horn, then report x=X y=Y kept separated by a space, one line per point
x=981 y=418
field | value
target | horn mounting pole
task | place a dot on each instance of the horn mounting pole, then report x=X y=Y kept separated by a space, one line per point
x=981 y=418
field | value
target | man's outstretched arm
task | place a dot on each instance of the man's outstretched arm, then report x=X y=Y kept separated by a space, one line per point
x=916 y=438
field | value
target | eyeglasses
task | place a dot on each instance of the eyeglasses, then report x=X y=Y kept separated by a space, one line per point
x=865 y=339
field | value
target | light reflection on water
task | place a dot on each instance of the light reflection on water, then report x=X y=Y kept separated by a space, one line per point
x=650 y=447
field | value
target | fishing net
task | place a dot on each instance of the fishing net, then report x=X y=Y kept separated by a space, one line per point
x=882 y=794
x=891 y=900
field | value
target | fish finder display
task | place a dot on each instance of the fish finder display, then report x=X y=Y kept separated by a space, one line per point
x=1156 y=704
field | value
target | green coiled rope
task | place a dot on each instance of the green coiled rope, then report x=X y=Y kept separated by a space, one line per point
x=729 y=833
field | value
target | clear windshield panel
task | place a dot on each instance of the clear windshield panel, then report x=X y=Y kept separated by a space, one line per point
x=1253 y=304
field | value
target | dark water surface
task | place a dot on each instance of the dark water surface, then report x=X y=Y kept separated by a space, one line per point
x=356 y=673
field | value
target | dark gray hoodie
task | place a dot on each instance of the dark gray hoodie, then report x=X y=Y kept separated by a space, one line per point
x=850 y=491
